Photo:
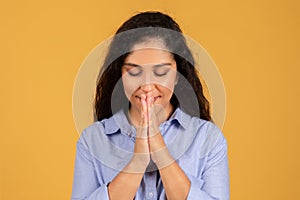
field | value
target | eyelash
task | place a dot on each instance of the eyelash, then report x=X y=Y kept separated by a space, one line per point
x=156 y=74
x=163 y=74
x=136 y=74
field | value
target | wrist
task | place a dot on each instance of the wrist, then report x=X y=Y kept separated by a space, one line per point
x=162 y=157
x=138 y=163
x=156 y=142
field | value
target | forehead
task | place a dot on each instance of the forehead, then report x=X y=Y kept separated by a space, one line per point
x=149 y=56
x=149 y=52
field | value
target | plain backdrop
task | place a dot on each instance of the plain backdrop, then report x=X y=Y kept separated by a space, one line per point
x=255 y=44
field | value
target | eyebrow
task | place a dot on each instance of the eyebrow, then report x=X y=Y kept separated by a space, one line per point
x=157 y=65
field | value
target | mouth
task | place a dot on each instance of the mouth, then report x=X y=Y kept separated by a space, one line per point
x=156 y=98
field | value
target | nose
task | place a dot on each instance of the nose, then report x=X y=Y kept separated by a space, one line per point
x=148 y=87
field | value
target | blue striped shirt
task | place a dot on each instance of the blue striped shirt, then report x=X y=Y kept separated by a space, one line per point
x=197 y=145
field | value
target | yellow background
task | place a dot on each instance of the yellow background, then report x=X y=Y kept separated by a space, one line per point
x=254 y=43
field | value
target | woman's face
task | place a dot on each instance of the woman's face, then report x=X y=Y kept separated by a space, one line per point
x=149 y=69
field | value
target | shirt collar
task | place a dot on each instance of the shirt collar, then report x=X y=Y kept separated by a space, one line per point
x=119 y=121
x=116 y=122
x=180 y=117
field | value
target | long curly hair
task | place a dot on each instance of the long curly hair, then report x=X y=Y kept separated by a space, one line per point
x=140 y=28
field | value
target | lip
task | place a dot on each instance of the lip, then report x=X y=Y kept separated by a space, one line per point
x=156 y=98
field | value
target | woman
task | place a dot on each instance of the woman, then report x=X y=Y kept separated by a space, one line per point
x=153 y=137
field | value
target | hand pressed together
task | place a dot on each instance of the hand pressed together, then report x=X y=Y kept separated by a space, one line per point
x=149 y=141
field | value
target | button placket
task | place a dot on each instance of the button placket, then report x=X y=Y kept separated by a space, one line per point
x=150 y=194
x=150 y=191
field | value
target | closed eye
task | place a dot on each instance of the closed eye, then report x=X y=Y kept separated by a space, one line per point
x=161 y=73
x=134 y=72
x=133 y=69
x=162 y=69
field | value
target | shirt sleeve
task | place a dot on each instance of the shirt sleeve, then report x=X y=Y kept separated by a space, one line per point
x=85 y=183
x=214 y=182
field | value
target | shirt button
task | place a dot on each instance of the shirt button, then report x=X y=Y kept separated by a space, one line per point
x=150 y=194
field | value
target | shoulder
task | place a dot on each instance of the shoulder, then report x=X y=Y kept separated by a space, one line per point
x=98 y=130
x=209 y=129
x=96 y=126
x=90 y=132
x=207 y=135
x=198 y=124
x=96 y=144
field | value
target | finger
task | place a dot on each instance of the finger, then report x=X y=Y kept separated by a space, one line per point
x=153 y=126
x=144 y=110
x=149 y=96
x=142 y=128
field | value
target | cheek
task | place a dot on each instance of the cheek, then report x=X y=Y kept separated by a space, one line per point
x=167 y=87
x=130 y=85
x=169 y=82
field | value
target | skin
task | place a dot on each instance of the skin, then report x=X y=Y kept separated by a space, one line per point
x=149 y=77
